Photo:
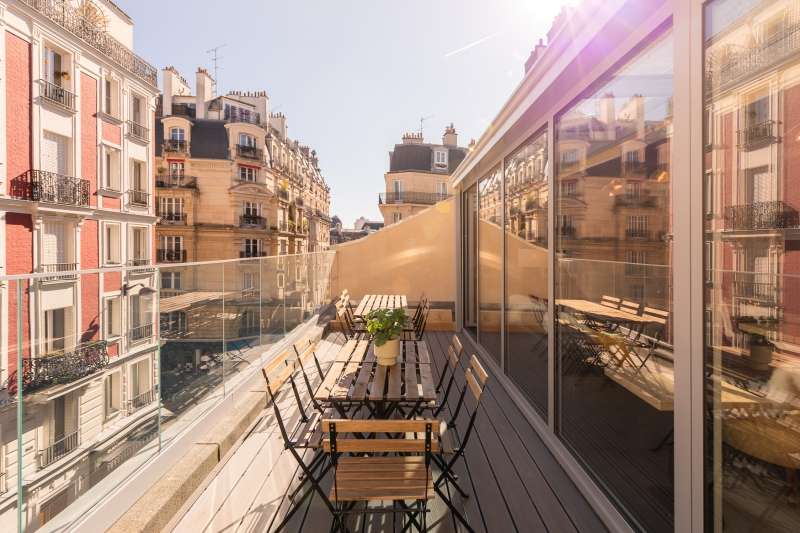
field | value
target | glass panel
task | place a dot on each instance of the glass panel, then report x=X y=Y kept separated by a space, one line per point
x=613 y=226
x=752 y=259
x=526 y=223
x=490 y=239
x=469 y=211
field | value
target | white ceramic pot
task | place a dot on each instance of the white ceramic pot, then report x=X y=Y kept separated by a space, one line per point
x=388 y=353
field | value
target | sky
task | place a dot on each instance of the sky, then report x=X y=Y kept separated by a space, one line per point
x=353 y=75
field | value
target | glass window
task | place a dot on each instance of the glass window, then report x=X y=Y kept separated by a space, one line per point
x=247 y=140
x=248 y=173
x=113 y=318
x=613 y=285
x=527 y=197
x=469 y=246
x=490 y=238
x=177 y=134
x=752 y=265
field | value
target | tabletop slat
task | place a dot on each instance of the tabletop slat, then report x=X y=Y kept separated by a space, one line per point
x=342 y=389
x=376 y=386
x=324 y=390
x=423 y=353
x=411 y=391
x=395 y=383
x=428 y=389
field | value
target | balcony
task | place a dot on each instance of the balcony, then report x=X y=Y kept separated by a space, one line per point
x=59 y=449
x=171 y=256
x=60 y=271
x=138 y=198
x=138 y=132
x=634 y=168
x=634 y=200
x=637 y=233
x=249 y=152
x=61 y=367
x=752 y=288
x=142 y=400
x=246 y=254
x=138 y=261
x=176 y=181
x=173 y=219
x=243 y=118
x=185 y=110
x=567 y=232
x=761 y=216
x=51 y=188
x=85 y=25
x=252 y=221
x=57 y=95
x=176 y=147
x=757 y=136
x=410 y=197
x=140 y=333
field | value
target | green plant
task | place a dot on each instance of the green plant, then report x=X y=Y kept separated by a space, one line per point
x=385 y=324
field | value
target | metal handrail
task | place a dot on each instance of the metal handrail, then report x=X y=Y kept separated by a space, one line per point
x=58 y=95
x=177 y=146
x=171 y=256
x=137 y=197
x=176 y=181
x=59 y=449
x=137 y=130
x=249 y=152
x=173 y=218
x=138 y=333
x=141 y=400
x=50 y=187
x=63 y=366
x=251 y=220
x=412 y=197
x=68 y=270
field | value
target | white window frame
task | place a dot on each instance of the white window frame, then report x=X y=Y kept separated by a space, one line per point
x=245 y=139
x=112 y=253
x=112 y=169
x=440 y=159
x=111 y=97
x=177 y=133
x=109 y=409
x=249 y=174
x=112 y=326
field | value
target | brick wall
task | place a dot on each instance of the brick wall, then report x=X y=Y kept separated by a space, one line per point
x=18 y=106
x=19 y=260
x=90 y=283
x=89 y=134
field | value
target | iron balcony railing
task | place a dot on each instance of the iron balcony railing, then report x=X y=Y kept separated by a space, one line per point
x=185 y=110
x=140 y=333
x=176 y=146
x=138 y=261
x=176 y=181
x=137 y=197
x=64 y=366
x=86 y=25
x=298 y=202
x=49 y=187
x=59 y=449
x=142 y=400
x=283 y=194
x=138 y=131
x=637 y=233
x=634 y=200
x=760 y=216
x=750 y=286
x=60 y=271
x=635 y=168
x=173 y=218
x=252 y=253
x=410 y=197
x=252 y=220
x=57 y=95
x=251 y=118
x=171 y=256
x=249 y=152
x=566 y=231
x=756 y=136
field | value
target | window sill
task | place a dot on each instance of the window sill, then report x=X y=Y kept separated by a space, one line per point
x=111 y=119
x=110 y=193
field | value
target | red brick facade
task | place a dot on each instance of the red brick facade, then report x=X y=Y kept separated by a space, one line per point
x=89 y=134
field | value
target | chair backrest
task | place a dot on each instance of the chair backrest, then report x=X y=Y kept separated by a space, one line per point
x=453 y=357
x=658 y=316
x=412 y=443
x=277 y=371
x=455 y=342
x=630 y=307
x=476 y=377
x=611 y=301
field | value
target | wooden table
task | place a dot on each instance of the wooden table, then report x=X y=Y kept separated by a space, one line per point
x=602 y=312
x=370 y=302
x=356 y=377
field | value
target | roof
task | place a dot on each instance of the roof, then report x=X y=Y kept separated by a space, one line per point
x=209 y=139
x=419 y=157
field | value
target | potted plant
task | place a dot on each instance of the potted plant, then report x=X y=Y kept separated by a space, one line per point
x=386 y=327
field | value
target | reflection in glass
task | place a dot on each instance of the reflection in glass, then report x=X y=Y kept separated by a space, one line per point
x=613 y=275
x=490 y=237
x=526 y=269
x=752 y=257
x=469 y=208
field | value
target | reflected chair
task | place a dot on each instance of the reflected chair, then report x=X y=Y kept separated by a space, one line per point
x=650 y=335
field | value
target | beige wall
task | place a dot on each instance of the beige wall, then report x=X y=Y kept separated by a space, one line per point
x=413 y=257
x=416 y=181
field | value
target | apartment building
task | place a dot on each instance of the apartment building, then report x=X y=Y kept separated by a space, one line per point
x=418 y=174
x=76 y=194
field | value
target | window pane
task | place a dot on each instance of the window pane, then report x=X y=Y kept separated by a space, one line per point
x=526 y=263
x=752 y=259
x=490 y=237
x=613 y=276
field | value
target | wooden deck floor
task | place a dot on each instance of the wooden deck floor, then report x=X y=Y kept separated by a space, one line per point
x=515 y=482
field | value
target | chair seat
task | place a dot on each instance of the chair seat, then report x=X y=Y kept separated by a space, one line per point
x=309 y=434
x=382 y=478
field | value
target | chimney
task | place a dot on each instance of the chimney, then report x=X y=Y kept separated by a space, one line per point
x=412 y=138
x=536 y=53
x=204 y=92
x=450 y=137
x=608 y=114
x=278 y=122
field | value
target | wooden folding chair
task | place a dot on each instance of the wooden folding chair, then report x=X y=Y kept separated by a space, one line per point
x=381 y=477
x=611 y=301
x=454 y=352
x=650 y=335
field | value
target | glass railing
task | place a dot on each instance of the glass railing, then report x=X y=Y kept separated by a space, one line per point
x=107 y=384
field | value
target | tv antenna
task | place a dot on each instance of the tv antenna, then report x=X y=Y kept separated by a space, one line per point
x=215 y=58
x=422 y=123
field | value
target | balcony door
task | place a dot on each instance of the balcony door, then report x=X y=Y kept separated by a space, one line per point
x=55 y=252
x=55 y=328
x=758 y=186
x=140 y=379
x=54 y=153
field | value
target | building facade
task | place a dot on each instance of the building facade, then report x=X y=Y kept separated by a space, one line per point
x=76 y=108
x=418 y=175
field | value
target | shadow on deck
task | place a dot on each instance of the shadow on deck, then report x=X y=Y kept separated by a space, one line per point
x=515 y=482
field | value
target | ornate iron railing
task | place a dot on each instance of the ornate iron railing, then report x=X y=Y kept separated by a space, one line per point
x=49 y=187
x=142 y=400
x=138 y=131
x=174 y=145
x=171 y=256
x=137 y=197
x=761 y=215
x=249 y=152
x=636 y=233
x=74 y=21
x=756 y=136
x=252 y=118
x=634 y=168
x=410 y=197
x=58 y=95
x=60 y=367
x=59 y=449
x=634 y=200
x=139 y=333
x=184 y=109
x=566 y=231
x=173 y=218
x=138 y=261
x=252 y=220
x=176 y=181
x=252 y=253
x=764 y=292
x=57 y=268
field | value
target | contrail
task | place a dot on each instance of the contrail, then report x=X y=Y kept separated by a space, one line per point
x=470 y=45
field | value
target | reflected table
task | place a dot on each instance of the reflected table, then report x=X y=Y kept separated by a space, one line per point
x=371 y=302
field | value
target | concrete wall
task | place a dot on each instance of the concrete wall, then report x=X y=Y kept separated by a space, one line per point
x=415 y=257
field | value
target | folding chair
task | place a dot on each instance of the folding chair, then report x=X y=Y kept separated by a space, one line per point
x=305 y=436
x=475 y=382
x=649 y=336
x=350 y=329
x=381 y=477
x=454 y=352
x=417 y=328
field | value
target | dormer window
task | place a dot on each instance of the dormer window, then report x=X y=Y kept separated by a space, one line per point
x=177 y=134
x=440 y=159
